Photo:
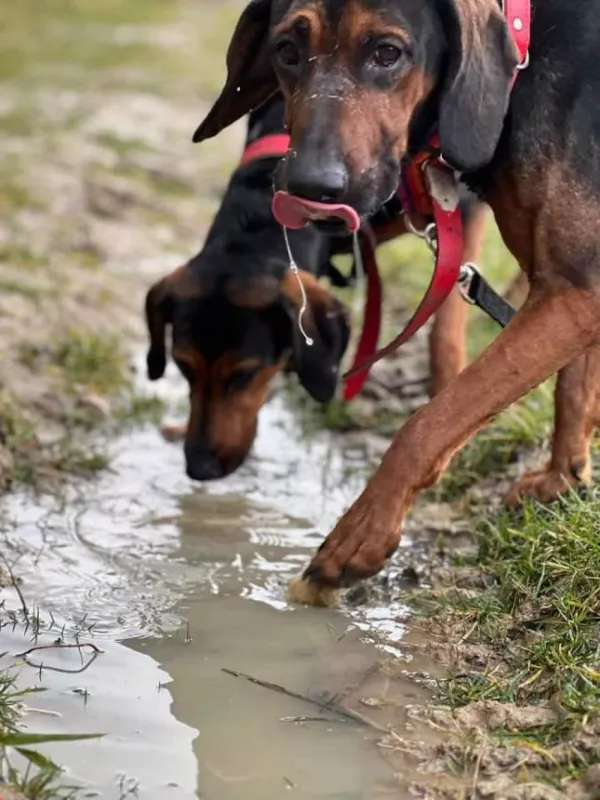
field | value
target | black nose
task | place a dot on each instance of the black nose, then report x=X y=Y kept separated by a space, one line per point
x=312 y=181
x=202 y=465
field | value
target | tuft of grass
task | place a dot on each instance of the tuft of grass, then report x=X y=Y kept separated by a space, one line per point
x=122 y=146
x=34 y=463
x=141 y=408
x=336 y=415
x=18 y=255
x=70 y=457
x=17 y=122
x=33 y=293
x=540 y=616
x=91 y=360
x=163 y=183
x=34 y=775
x=14 y=194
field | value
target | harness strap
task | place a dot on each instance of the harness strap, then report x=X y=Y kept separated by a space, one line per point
x=371 y=317
x=445 y=275
x=477 y=291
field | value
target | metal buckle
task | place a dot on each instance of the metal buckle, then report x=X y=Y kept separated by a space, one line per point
x=428 y=234
x=468 y=270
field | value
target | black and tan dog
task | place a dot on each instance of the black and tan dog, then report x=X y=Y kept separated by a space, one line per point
x=364 y=81
x=233 y=312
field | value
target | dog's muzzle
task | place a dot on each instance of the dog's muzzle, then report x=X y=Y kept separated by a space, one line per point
x=295 y=212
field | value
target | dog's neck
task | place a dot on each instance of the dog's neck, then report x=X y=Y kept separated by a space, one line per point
x=267 y=119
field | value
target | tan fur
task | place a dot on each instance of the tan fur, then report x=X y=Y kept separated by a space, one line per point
x=303 y=592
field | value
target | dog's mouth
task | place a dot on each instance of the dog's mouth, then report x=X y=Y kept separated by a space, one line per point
x=295 y=212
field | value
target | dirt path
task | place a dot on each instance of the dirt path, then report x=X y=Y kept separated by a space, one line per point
x=101 y=190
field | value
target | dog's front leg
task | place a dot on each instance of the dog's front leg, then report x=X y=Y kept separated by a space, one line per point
x=547 y=332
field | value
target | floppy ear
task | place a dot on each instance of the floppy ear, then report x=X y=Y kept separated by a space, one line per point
x=159 y=314
x=250 y=76
x=326 y=322
x=475 y=96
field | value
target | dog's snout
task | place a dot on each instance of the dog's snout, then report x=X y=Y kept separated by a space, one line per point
x=315 y=181
x=202 y=464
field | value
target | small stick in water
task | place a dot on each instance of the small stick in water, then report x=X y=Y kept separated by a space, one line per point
x=327 y=705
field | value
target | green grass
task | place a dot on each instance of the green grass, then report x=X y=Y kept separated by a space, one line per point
x=18 y=255
x=19 y=122
x=92 y=361
x=538 y=622
x=335 y=416
x=122 y=146
x=34 y=775
x=42 y=39
x=545 y=563
x=140 y=408
x=14 y=194
x=160 y=183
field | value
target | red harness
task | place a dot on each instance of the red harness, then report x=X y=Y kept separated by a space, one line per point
x=428 y=187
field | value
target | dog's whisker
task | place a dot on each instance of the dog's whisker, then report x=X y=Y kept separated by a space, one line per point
x=304 y=306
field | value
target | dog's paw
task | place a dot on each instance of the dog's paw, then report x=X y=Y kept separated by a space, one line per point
x=544 y=486
x=174 y=433
x=304 y=592
x=358 y=547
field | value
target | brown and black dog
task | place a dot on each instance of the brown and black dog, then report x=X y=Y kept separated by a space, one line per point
x=233 y=312
x=365 y=81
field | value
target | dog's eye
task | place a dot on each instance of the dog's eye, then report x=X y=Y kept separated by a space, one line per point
x=287 y=53
x=387 y=55
x=240 y=380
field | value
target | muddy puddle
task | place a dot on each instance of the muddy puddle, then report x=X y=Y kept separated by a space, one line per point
x=183 y=588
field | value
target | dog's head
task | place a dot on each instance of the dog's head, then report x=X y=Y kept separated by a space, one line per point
x=229 y=338
x=364 y=81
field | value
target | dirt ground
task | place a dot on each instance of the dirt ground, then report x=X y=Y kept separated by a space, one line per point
x=101 y=191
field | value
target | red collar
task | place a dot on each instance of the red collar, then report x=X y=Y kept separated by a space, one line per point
x=274 y=145
x=518 y=19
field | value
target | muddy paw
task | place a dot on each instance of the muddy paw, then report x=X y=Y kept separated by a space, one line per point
x=357 y=548
x=544 y=486
x=305 y=592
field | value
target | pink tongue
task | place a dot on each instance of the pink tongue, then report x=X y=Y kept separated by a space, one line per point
x=295 y=212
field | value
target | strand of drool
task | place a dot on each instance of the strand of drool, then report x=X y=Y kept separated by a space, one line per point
x=304 y=306
x=360 y=271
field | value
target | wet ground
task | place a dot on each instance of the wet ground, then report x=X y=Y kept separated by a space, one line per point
x=178 y=583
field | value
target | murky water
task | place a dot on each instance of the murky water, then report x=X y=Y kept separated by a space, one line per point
x=177 y=583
